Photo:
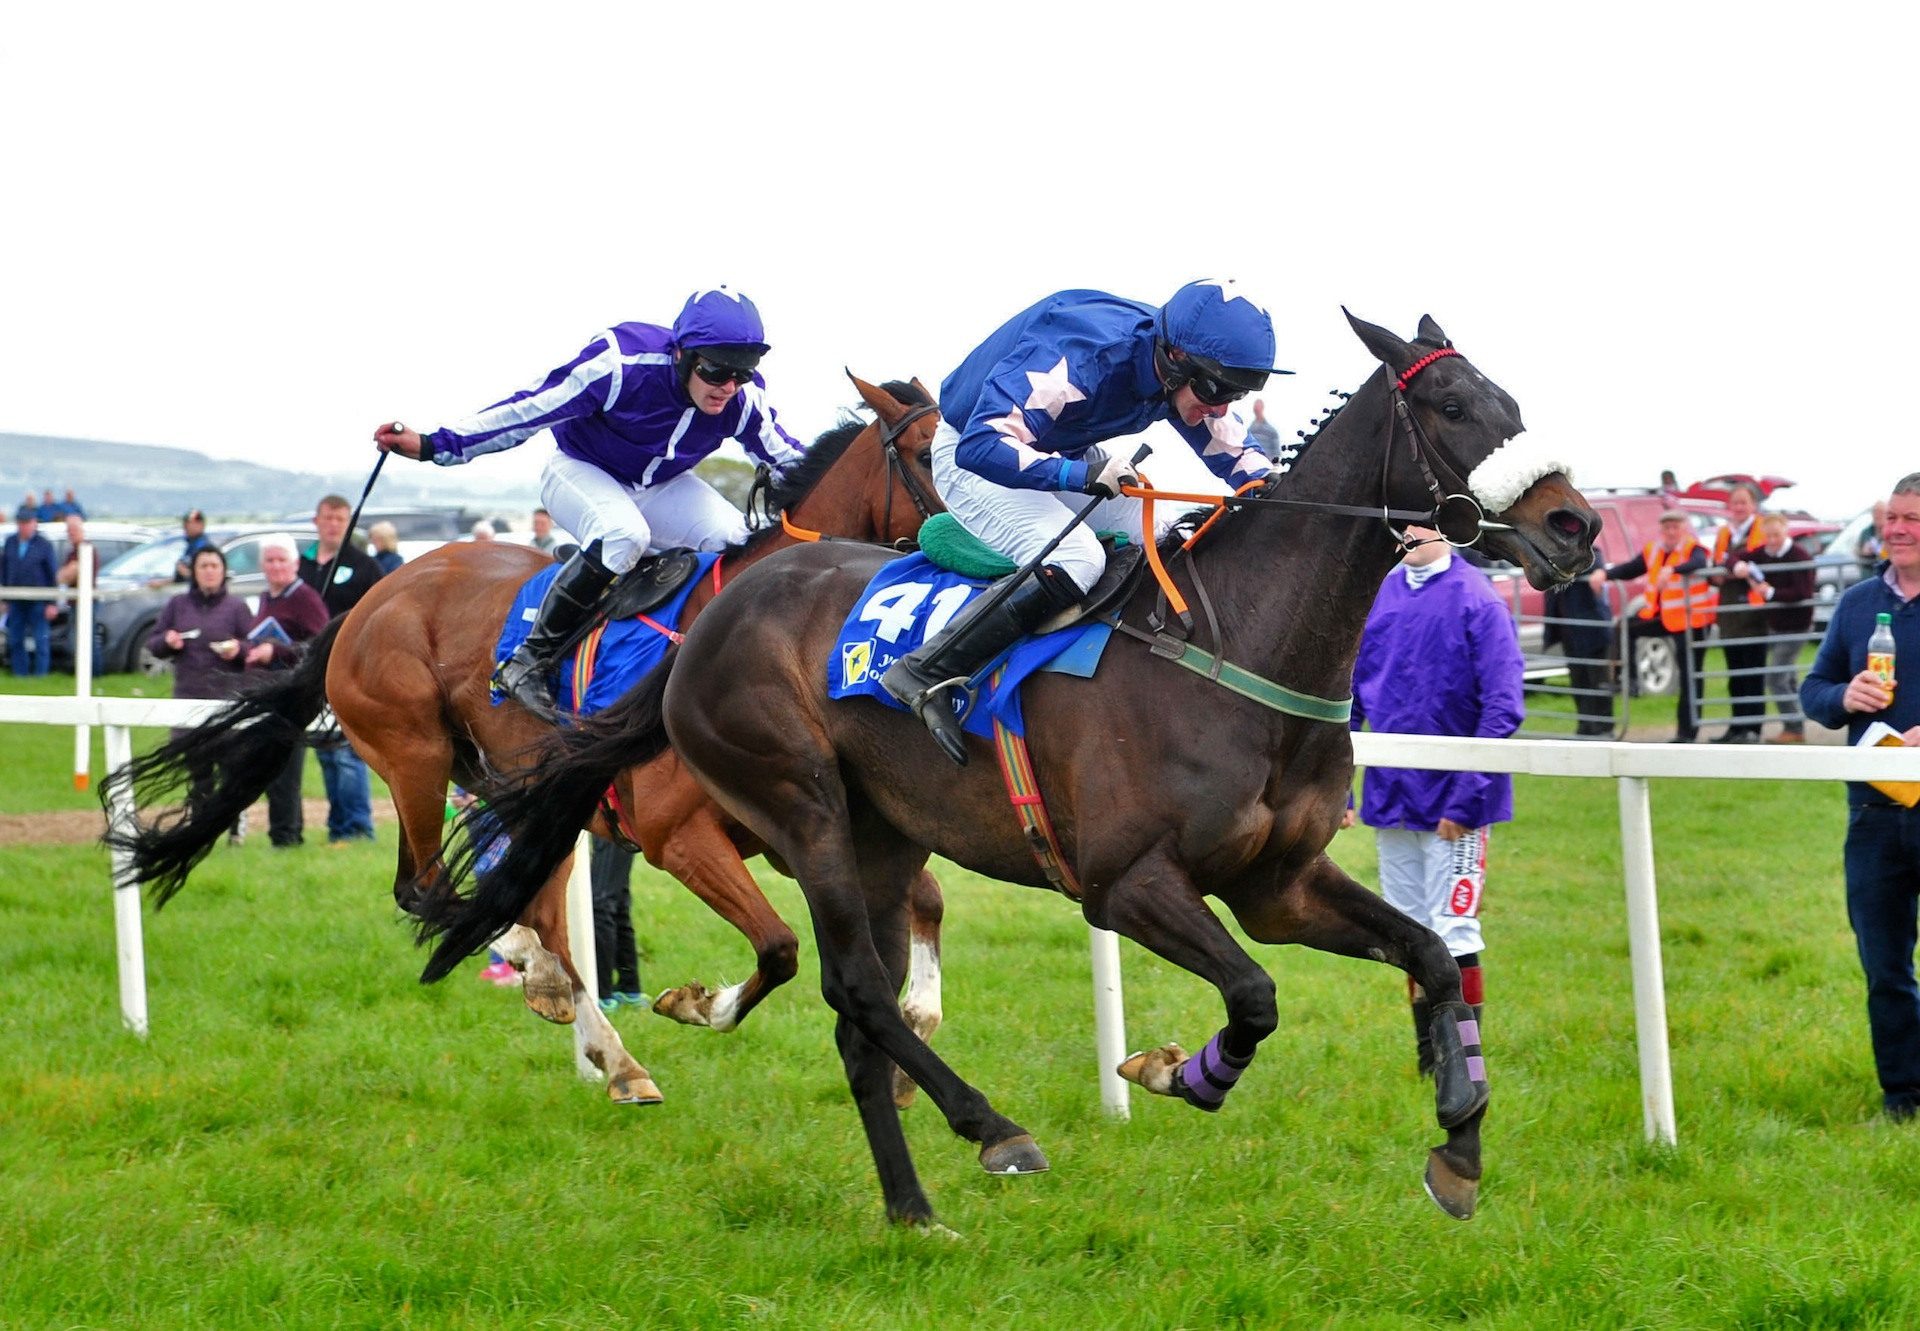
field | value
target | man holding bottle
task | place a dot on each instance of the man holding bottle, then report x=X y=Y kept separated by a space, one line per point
x=1883 y=835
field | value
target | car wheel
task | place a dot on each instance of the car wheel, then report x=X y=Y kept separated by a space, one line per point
x=140 y=661
x=1653 y=666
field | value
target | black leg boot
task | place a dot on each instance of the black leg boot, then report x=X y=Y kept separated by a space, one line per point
x=568 y=604
x=1422 y=1030
x=924 y=679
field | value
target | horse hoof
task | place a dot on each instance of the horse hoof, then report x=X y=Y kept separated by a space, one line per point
x=1015 y=1155
x=633 y=1088
x=1451 y=1191
x=689 y=1004
x=904 y=1089
x=551 y=1002
x=1154 y=1069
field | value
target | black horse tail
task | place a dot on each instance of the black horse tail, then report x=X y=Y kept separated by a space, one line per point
x=224 y=763
x=539 y=809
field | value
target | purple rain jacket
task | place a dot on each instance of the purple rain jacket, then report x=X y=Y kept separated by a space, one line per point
x=619 y=405
x=1442 y=660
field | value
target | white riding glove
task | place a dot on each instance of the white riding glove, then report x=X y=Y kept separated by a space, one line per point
x=1105 y=475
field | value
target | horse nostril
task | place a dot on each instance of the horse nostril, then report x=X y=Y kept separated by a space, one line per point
x=1568 y=523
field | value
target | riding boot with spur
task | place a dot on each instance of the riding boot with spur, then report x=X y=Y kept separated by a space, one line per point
x=568 y=604
x=925 y=679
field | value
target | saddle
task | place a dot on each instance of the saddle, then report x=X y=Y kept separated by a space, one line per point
x=649 y=585
x=950 y=545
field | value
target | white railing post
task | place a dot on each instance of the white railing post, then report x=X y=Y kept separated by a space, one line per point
x=1109 y=1021
x=1643 y=942
x=580 y=940
x=126 y=893
x=82 y=631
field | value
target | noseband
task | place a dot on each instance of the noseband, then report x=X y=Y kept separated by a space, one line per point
x=1456 y=490
x=760 y=513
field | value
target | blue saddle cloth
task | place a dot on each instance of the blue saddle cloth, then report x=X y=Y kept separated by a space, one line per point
x=912 y=598
x=628 y=649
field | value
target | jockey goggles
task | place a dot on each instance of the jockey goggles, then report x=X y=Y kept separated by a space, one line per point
x=1214 y=392
x=714 y=373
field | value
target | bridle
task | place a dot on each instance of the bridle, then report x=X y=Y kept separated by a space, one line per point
x=760 y=514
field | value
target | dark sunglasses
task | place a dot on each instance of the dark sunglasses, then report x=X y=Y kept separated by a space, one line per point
x=717 y=375
x=1214 y=392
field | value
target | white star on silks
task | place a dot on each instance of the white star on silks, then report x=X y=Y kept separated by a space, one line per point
x=1227 y=293
x=1052 y=392
x=1013 y=432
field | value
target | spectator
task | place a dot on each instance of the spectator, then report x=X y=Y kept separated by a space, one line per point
x=1679 y=605
x=290 y=613
x=482 y=530
x=1788 y=615
x=27 y=561
x=349 y=792
x=1868 y=551
x=1669 y=486
x=50 y=509
x=72 y=506
x=384 y=537
x=616 y=956
x=1439 y=657
x=1579 y=619
x=1741 y=600
x=204 y=629
x=76 y=525
x=194 y=527
x=1261 y=431
x=1883 y=837
x=543 y=538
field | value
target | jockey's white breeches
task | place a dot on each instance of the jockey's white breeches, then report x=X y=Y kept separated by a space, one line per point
x=629 y=520
x=1019 y=523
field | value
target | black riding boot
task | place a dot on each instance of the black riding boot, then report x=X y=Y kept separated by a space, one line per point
x=568 y=604
x=923 y=679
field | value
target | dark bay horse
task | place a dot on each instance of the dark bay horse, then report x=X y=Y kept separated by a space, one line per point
x=407 y=672
x=1164 y=788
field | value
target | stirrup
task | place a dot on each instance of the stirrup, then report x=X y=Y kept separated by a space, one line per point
x=931 y=706
x=528 y=687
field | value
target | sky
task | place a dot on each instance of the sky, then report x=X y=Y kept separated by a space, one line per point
x=1680 y=236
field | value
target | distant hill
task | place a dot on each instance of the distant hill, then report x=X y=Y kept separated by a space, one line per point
x=149 y=481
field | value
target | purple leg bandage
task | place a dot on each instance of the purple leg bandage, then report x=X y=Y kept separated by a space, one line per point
x=1210 y=1074
x=1470 y=1045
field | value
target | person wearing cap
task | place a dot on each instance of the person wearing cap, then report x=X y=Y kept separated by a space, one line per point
x=1679 y=604
x=27 y=560
x=631 y=415
x=1023 y=421
x=194 y=527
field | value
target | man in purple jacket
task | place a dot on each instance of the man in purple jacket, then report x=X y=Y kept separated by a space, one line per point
x=1439 y=657
x=631 y=413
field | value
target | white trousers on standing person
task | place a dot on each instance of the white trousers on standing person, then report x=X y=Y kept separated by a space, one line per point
x=1019 y=523
x=1436 y=882
x=629 y=520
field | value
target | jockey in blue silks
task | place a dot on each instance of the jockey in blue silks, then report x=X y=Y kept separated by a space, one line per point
x=631 y=415
x=1022 y=424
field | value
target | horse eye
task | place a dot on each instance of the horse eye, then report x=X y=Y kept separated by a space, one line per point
x=1452 y=410
x=925 y=458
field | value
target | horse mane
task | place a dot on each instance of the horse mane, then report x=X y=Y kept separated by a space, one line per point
x=826 y=450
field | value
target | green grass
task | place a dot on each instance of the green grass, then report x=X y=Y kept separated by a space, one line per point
x=311 y=1139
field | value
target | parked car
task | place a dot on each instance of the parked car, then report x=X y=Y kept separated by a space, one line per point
x=122 y=623
x=1840 y=565
x=110 y=540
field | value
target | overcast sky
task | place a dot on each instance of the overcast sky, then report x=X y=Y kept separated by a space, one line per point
x=1680 y=236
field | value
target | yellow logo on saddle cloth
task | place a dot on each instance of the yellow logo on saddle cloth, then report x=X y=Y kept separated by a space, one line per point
x=856 y=659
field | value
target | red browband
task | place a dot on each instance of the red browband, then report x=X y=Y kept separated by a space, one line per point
x=1421 y=364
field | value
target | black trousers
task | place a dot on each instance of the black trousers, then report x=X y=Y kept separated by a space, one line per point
x=1690 y=665
x=286 y=820
x=616 y=958
x=1595 y=701
x=1748 y=692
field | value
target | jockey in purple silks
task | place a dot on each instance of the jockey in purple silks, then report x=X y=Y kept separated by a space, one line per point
x=1022 y=424
x=631 y=415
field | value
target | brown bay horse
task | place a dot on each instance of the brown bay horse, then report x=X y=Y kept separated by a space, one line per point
x=1212 y=794
x=407 y=674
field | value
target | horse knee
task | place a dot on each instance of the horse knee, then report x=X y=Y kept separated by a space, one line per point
x=1252 y=1005
x=779 y=958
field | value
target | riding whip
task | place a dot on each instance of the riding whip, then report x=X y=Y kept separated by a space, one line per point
x=326 y=574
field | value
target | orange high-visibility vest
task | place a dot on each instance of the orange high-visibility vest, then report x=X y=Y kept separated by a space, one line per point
x=1678 y=603
x=1756 y=540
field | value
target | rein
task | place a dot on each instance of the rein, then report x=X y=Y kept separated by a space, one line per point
x=897 y=469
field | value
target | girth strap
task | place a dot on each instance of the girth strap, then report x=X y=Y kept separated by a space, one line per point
x=1023 y=792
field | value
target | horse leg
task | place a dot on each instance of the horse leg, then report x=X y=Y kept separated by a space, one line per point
x=1324 y=908
x=1156 y=904
x=597 y=1047
x=698 y=851
x=926 y=908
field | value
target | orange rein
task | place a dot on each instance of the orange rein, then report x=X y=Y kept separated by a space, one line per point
x=1147 y=494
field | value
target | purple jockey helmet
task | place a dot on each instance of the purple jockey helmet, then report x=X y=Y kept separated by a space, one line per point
x=724 y=326
x=1222 y=331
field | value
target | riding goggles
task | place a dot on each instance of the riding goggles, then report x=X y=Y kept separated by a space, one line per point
x=1214 y=392
x=716 y=374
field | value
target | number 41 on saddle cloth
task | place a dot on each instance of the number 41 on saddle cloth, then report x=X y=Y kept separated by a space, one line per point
x=911 y=599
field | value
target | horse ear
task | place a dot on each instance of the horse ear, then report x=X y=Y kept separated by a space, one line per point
x=1433 y=332
x=1386 y=348
x=884 y=404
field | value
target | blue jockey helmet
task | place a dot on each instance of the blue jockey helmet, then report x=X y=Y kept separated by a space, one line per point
x=1221 y=331
x=723 y=326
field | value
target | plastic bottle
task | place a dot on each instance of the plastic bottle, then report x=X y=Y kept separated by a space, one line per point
x=1880 y=650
